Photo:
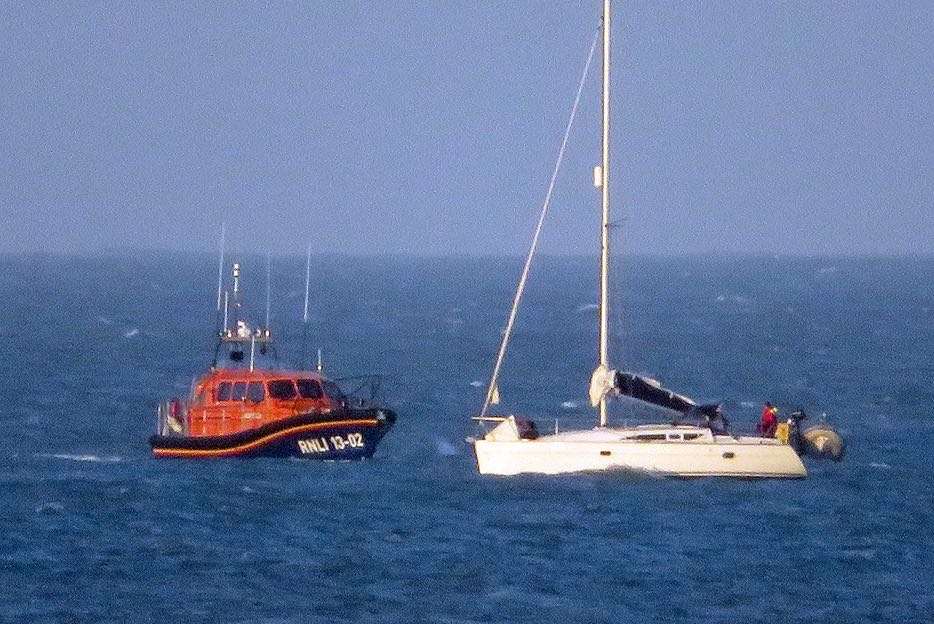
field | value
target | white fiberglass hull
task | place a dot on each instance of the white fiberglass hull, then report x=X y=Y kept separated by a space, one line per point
x=602 y=449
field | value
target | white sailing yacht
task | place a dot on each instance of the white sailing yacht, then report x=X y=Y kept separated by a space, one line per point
x=513 y=445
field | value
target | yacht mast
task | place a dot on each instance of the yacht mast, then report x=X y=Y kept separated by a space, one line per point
x=605 y=186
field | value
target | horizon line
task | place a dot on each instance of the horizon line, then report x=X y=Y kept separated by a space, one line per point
x=157 y=251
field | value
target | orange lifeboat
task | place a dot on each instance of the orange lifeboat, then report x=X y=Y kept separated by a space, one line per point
x=246 y=406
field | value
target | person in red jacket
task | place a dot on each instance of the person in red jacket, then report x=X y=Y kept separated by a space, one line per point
x=769 y=420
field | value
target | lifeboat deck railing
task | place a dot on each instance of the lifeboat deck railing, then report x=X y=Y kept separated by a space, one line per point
x=365 y=390
x=172 y=418
x=175 y=419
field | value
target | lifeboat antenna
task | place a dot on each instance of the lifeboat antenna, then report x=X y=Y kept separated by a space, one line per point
x=220 y=265
x=236 y=280
x=252 y=351
x=305 y=315
x=320 y=363
x=307 y=282
x=235 y=296
x=268 y=276
x=220 y=280
x=226 y=305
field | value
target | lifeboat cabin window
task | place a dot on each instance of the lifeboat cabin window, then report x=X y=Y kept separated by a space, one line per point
x=239 y=391
x=309 y=389
x=282 y=389
x=255 y=392
x=691 y=436
x=223 y=391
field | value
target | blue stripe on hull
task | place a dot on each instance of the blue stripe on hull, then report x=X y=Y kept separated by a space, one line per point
x=341 y=442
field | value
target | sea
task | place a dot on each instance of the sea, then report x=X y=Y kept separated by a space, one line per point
x=93 y=529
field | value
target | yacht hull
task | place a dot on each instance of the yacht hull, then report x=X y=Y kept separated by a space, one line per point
x=723 y=456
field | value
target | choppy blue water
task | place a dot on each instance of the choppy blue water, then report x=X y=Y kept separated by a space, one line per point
x=92 y=529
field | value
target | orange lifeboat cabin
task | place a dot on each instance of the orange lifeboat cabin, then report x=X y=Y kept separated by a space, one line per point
x=247 y=407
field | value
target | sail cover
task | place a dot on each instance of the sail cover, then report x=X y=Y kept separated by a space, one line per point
x=651 y=391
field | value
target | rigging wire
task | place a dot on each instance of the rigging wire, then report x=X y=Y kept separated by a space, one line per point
x=538 y=229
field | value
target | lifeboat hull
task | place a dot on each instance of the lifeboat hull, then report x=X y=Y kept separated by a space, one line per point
x=345 y=435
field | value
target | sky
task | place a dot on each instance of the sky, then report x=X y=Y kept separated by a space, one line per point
x=431 y=128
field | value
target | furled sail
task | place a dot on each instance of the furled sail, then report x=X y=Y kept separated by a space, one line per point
x=637 y=387
x=651 y=391
x=601 y=382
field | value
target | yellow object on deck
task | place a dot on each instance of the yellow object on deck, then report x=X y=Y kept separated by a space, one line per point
x=782 y=431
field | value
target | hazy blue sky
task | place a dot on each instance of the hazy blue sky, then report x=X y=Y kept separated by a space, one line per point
x=431 y=127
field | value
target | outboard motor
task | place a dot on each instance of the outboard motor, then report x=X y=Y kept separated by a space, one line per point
x=820 y=441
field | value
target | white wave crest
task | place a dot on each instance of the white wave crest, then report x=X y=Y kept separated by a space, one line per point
x=109 y=459
x=130 y=333
x=570 y=405
x=477 y=384
x=866 y=554
x=445 y=448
